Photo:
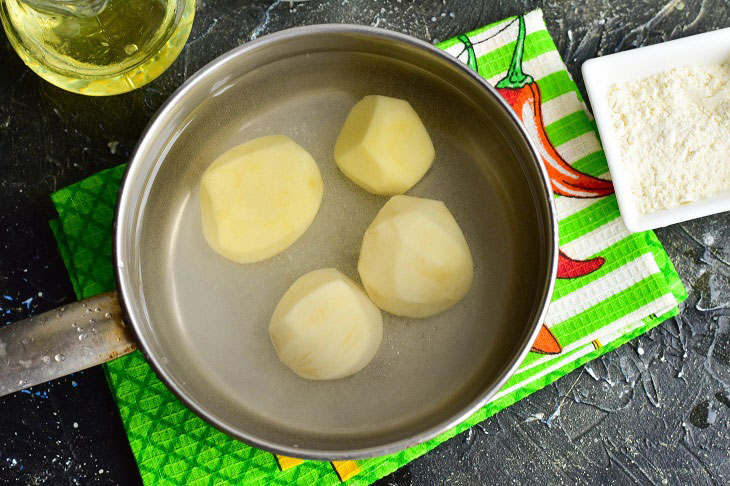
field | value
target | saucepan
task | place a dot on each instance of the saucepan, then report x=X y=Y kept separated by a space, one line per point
x=201 y=321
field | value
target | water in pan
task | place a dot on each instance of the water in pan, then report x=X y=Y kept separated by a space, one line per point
x=217 y=311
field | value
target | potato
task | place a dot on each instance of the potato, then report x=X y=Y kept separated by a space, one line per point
x=259 y=197
x=325 y=327
x=383 y=146
x=414 y=260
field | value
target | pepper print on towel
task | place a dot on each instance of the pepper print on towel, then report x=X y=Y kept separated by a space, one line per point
x=522 y=93
x=344 y=469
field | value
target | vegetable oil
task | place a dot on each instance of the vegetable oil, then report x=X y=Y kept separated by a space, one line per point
x=98 y=47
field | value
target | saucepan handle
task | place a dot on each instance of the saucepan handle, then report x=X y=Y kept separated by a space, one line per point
x=62 y=341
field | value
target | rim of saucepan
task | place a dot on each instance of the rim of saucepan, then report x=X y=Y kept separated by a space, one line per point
x=133 y=313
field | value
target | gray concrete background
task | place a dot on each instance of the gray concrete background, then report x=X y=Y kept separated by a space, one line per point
x=655 y=411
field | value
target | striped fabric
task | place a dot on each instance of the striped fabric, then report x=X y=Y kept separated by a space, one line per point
x=633 y=290
x=633 y=286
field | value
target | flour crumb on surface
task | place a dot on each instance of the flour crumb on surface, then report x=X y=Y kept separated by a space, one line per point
x=674 y=133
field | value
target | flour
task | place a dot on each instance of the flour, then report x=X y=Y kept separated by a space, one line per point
x=674 y=133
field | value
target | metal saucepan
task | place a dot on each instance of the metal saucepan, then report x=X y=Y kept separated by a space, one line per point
x=202 y=321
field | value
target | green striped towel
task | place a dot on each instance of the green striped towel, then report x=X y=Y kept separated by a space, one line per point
x=634 y=290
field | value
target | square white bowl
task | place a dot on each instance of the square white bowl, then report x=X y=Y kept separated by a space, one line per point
x=601 y=73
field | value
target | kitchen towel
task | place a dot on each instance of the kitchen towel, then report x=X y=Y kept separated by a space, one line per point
x=613 y=285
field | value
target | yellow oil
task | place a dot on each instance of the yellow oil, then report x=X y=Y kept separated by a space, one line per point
x=98 y=47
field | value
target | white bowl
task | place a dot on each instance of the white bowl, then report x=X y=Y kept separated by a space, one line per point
x=601 y=73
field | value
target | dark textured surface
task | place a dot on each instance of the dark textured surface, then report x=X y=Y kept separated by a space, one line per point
x=655 y=411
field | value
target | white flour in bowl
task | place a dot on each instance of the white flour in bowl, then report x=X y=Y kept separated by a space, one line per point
x=674 y=132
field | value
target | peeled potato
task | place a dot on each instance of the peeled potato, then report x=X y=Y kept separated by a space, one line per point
x=259 y=197
x=414 y=260
x=325 y=327
x=383 y=146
